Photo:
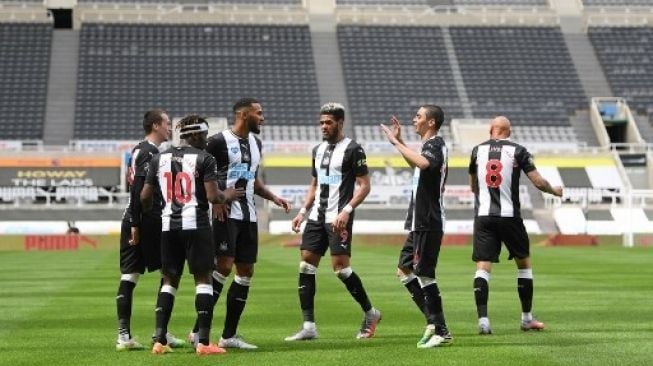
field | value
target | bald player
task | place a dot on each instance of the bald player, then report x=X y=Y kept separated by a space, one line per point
x=494 y=170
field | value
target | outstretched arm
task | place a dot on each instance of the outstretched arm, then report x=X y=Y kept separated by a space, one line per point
x=261 y=190
x=542 y=184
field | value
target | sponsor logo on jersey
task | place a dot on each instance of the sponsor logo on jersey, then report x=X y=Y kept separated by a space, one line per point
x=323 y=178
x=240 y=171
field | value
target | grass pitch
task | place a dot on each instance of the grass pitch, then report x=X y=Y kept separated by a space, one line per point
x=58 y=308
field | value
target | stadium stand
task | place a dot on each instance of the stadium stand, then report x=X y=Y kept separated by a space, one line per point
x=502 y=2
x=190 y=68
x=523 y=72
x=196 y=2
x=386 y=2
x=392 y=70
x=256 y=2
x=24 y=69
x=614 y=3
x=446 y=2
x=625 y=54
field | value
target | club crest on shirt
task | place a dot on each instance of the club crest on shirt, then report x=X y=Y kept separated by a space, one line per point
x=234 y=149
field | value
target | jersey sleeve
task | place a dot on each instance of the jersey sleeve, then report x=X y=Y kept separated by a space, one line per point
x=142 y=163
x=432 y=151
x=152 y=171
x=217 y=147
x=359 y=161
x=313 y=170
x=525 y=160
x=472 y=161
x=135 y=206
x=210 y=168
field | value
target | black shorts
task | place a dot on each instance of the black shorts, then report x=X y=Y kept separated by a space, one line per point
x=490 y=231
x=237 y=239
x=196 y=246
x=145 y=255
x=420 y=252
x=318 y=237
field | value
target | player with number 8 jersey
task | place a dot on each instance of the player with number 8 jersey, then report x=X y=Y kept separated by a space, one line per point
x=494 y=170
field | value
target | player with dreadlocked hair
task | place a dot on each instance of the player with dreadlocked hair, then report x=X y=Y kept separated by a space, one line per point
x=187 y=176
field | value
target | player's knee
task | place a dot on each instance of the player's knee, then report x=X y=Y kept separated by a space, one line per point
x=481 y=273
x=130 y=277
x=245 y=270
x=243 y=280
x=344 y=273
x=426 y=281
x=224 y=270
x=307 y=268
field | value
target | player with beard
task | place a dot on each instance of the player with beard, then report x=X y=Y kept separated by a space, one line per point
x=238 y=153
x=339 y=164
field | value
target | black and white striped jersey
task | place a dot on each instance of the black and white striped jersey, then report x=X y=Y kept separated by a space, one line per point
x=139 y=163
x=335 y=166
x=497 y=165
x=238 y=160
x=426 y=209
x=180 y=173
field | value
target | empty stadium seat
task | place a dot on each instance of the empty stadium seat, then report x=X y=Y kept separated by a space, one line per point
x=525 y=73
x=235 y=2
x=128 y=68
x=502 y=2
x=446 y=2
x=391 y=70
x=614 y=3
x=24 y=70
x=625 y=53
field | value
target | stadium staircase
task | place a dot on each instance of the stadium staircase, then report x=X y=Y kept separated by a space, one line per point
x=62 y=86
x=581 y=123
x=582 y=54
x=328 y=67
x=586 y=63
x=456 y=73
x=645 y=127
